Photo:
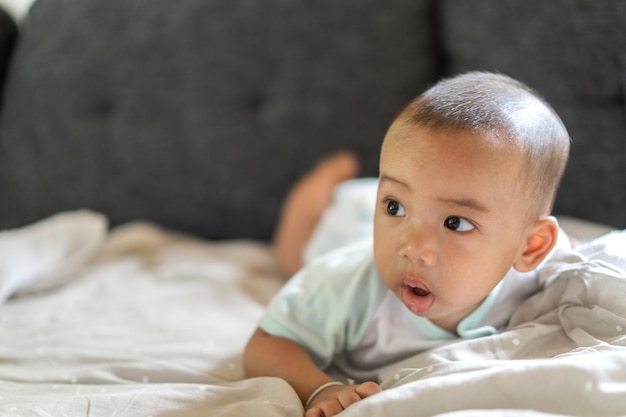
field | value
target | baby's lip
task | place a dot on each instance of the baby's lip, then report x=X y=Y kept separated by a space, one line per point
x=415 y=284
x=416 y=295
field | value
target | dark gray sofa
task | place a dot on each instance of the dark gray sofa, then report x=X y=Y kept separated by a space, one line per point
x=200 y=114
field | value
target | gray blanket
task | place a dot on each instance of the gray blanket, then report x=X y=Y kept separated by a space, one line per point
x=153 y=323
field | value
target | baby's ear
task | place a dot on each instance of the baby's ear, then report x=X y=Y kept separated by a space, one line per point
x=540 y=241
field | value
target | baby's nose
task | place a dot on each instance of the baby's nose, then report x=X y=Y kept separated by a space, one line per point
x=419 y=245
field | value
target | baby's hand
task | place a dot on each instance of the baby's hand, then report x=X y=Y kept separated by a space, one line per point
x=336 y=398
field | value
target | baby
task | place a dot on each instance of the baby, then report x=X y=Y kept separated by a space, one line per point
x=469 y=171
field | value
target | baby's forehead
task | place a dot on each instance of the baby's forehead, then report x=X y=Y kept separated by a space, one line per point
x=461 y=151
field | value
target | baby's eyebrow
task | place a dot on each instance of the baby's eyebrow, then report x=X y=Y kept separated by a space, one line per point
x=387 y=178
x=465 y=202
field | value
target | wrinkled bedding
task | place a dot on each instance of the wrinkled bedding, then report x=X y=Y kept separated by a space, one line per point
x=142 y=321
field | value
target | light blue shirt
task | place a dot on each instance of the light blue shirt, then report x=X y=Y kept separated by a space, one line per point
x=339 y=309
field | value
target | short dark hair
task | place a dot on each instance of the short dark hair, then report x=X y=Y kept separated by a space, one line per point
x=483 y=102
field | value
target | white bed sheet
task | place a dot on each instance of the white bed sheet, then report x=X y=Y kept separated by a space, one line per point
x=152 y=323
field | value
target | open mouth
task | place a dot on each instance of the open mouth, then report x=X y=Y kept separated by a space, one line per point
x=416 y=297
x=420 y=292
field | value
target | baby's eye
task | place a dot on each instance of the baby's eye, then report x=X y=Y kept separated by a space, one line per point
x=395 y=209
x=458 y=224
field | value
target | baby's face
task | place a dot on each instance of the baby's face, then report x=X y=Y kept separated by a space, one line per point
x=451 y=219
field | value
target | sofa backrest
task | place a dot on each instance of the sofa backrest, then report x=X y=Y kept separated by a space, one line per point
x=199 y=114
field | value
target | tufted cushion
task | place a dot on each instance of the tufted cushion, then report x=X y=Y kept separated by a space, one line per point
x=199 y=114
x=574 y=53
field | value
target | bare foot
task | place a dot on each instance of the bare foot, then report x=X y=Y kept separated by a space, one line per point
x=304 y=206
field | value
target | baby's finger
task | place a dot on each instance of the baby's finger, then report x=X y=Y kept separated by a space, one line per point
x=325 y=408
x=366 y=389
x=314 y=412
x=348 y=396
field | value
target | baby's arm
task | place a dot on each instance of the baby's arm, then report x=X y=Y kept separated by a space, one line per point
x=266 y=355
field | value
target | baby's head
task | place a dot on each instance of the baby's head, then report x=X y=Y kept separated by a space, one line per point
x=468 y=175
x=509 y=111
